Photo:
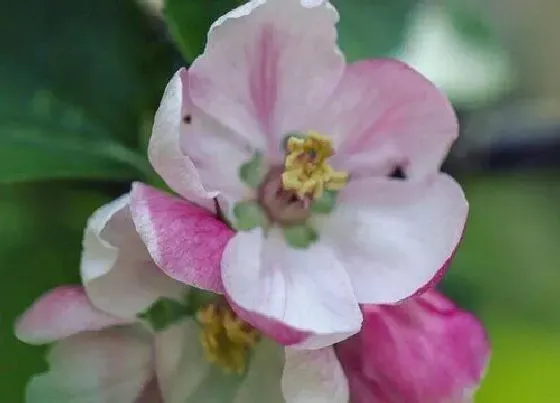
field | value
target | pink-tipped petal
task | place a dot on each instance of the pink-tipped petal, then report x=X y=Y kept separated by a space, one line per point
x=314 y=376
x=422 y=350
x=383 y=114
x=60 y=313
x=266 y=65
x=304 y=289
x=111 y=366
x=274 y=329
x=117 y=271
x=394 y=236
x=164 y=150
x=185 y=240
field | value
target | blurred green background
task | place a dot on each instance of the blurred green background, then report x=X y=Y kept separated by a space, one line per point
x=80 y=81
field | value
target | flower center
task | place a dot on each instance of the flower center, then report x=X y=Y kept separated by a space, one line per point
x=225 y=338
x=288 y=191
x=282 y=206
x=306 y=170
x=287 y=194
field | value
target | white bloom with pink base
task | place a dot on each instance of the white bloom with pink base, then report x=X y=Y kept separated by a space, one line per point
x=104 y=353
x=421 y=350
x=272 y=130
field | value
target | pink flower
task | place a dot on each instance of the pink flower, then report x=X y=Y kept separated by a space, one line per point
x=104 y=353
x=422 y=350
x=298 y=149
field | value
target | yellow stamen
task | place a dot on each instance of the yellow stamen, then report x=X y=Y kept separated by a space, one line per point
x=305 y=168
x=226 y=339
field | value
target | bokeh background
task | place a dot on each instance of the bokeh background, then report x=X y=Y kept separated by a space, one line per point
x=80 y=81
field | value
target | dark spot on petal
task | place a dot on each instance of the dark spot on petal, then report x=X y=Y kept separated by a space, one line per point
x=187 y=119
x=397 y=173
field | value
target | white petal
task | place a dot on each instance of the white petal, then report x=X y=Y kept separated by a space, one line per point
x=394 y=236
x=186 y=145
x=164 y=150
x=314 y=376
x=264 y=375
x=383 y=114
x=60 y=313
x=109 y=366
x=119 y=276
x=180 y=363
x=265 y=66
x=184 y=374
x=306 y=289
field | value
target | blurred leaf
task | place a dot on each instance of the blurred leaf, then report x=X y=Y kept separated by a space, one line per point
x=509 y=255
x=77 y=77
x=40 y=241
x=372 y=28
x=470 y=21
x=189 y=20
x=524 y=363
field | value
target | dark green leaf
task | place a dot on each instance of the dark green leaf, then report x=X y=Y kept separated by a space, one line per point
x=165 y=312
x=40 y=243
x=372 y=28
x=77 y=83
x=189 y=22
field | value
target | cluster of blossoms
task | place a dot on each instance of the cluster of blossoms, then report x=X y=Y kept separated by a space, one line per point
x=293 y=264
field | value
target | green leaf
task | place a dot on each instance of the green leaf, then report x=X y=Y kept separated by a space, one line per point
x=251 y=172
x=300 y=236
x=189 y=21
x=249 y=215
x=471 y=21
x=165 y=312
x=40 y=243
x=372 y=28
x=326 y=203
x=74 y=98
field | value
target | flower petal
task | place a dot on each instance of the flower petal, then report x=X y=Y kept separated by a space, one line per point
x=185 y=240
x=180 y=363
x=314 y=376
x=117 y=271
x=164 y=150
x=422 y=350
x=113 y=365
x=265 y=66
x=186 y=376
x=186 y=143
x=394 y=236
x=274 y=329
x=304 y=289
x=60 y=313
x=383 y=114
x=151 y=393
x=264 y=375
